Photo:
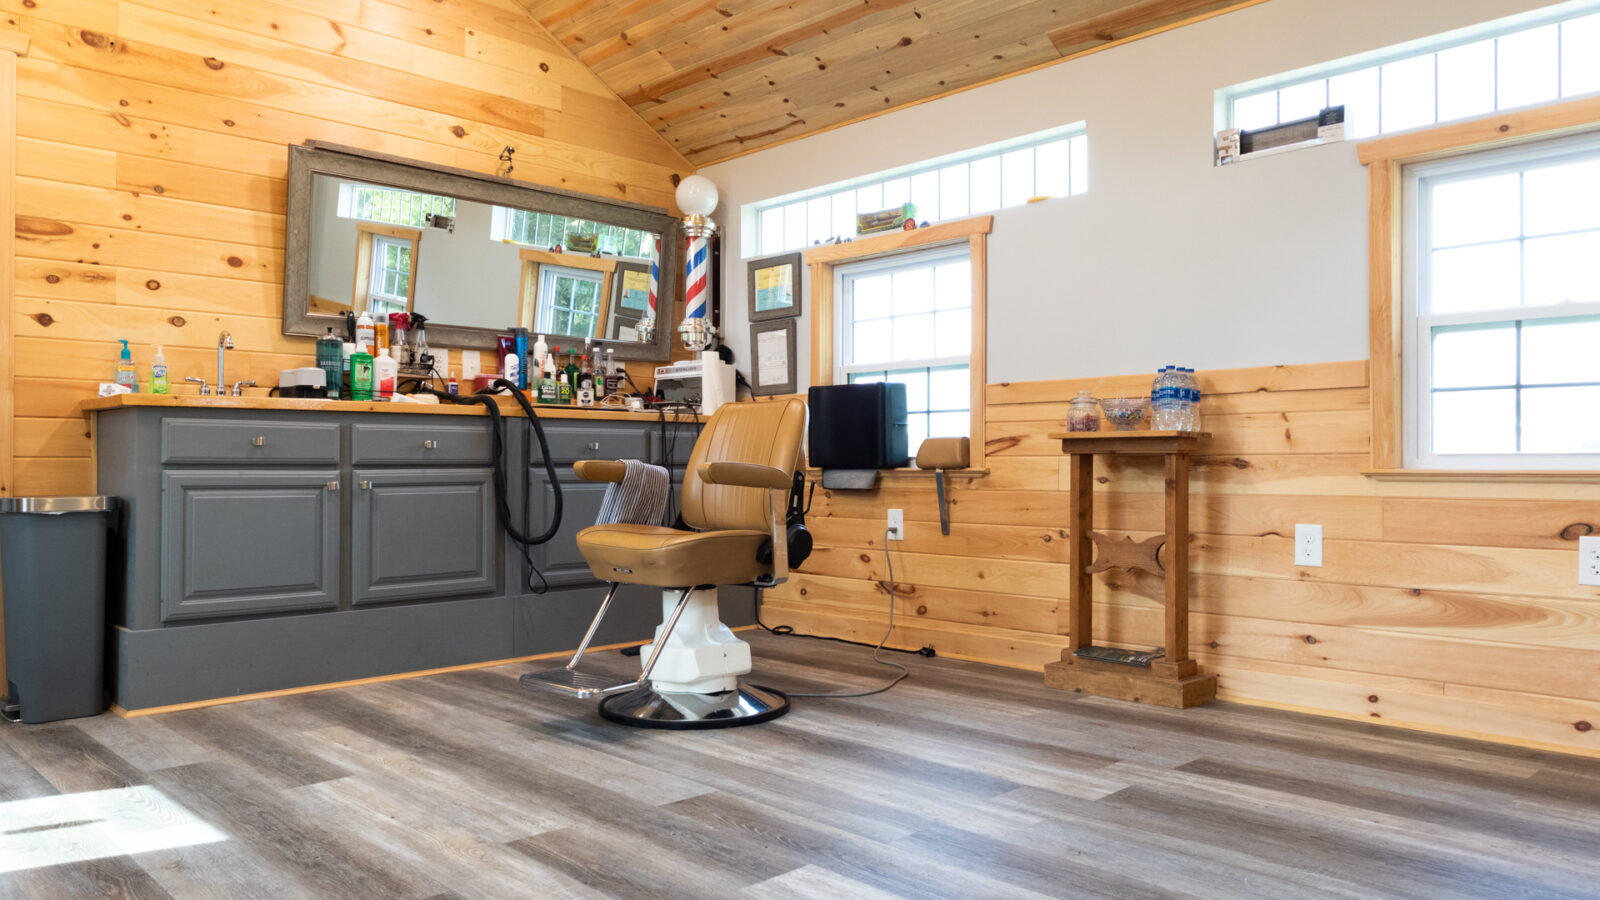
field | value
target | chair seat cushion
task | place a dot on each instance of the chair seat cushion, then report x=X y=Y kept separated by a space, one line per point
x=667 y=557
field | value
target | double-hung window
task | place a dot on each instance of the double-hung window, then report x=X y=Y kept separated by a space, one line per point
x=569 y=300
x=1501 y=321
x=908 y=318
x=390 y=289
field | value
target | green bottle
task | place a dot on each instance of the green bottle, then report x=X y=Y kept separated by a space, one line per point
x=158 y=373
x=570 y=387
x=361 y=375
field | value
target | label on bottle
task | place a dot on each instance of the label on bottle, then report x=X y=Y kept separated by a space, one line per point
x=585 y=396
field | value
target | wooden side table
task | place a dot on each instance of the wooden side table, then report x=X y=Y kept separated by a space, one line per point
x=1172 y=680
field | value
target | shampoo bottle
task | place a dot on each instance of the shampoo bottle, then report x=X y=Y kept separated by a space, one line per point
x=158 y=373
x=361 y=374
x=364 y=332
x=125 y=372
x=540 y=350
x=520 y=336
x=513 y=369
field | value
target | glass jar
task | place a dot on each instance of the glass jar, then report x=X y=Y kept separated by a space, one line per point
x=1082 y=414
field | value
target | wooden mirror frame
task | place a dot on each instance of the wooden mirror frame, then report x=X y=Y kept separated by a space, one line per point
x=320 y=158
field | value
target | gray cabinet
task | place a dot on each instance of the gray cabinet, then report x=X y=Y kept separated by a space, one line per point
x=423 y=533
x=239 y=541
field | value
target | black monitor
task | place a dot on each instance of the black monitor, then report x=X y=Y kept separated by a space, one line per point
x=858 y=426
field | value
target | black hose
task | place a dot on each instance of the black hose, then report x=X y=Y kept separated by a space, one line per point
x=497 y=453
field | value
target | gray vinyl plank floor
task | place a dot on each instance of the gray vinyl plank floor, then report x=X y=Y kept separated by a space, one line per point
x=964 y=781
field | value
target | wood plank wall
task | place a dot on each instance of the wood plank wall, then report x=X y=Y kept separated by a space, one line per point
x=1449 y=605
x=152 y=154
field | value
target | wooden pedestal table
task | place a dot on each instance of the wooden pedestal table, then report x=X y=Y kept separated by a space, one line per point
x=1172 y=680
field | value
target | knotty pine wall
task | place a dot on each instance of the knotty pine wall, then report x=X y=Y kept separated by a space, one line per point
x=1449 y=606
x=152 y=155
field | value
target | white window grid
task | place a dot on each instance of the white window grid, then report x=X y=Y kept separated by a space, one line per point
x=1054 y=163
x=390 y=206
x=1422 y=327
x=391 y=275
x=1455 y=79
x=573 y=313
x=937 y=377
x=537 y=229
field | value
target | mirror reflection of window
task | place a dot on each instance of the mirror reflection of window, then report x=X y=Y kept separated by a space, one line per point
x=391 y=276
x=571 y=300
x=391 y=206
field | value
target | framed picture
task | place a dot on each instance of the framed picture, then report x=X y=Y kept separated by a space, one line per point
x=772 y=358
x=775 y=287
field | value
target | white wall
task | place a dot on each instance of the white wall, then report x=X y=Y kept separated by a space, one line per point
x=464 y=277
x=1167 y=259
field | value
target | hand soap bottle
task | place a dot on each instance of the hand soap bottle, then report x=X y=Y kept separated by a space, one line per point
x=158 y=373
x=125 y=372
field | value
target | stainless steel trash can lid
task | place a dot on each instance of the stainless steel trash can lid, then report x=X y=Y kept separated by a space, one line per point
x=55 y=506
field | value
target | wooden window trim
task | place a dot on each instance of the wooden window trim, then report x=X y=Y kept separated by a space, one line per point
x=974 y=232
x=1385 y=159
x=365 y=231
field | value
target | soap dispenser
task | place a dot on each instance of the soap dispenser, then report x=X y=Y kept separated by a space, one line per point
x=125 y=372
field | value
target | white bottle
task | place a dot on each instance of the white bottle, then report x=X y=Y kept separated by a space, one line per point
x=385 y=371
x=366 y=335
x=540 y=351
x=512 y=368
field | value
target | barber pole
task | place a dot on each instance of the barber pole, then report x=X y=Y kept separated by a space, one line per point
x=695 y=295
x=655 y=276
x=697 y=197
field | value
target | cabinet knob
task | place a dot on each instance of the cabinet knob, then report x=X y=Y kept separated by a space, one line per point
x=333 y=485
x=257 y=441
x=430 y=444
x=594 y=445
x=366 y=485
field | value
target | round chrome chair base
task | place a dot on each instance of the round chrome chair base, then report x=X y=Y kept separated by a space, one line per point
x=647 y=708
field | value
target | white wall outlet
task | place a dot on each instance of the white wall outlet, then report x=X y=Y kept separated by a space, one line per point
x=897 y=525
x=1308 y=545
x=1589 y=560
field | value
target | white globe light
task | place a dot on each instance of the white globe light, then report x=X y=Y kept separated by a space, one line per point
x=697 y=196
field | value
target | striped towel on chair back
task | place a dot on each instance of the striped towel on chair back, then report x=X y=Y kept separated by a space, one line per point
x=641 y=498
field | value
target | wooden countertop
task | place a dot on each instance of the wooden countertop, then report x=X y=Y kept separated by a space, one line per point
x=508 y=406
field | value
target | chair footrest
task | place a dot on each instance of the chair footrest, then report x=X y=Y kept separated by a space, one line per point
x=579 y=685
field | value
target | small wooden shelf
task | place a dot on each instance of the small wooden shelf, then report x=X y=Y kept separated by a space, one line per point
x=1173 y=680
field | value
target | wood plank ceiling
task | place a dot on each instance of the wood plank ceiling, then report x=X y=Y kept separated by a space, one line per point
x=718 y=78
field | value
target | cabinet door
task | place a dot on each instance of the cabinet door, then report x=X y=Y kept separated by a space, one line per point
x=558 y=559
x=417 y=534
x=247 y=541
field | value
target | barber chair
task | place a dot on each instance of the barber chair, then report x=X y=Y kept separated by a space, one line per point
x=736 y=493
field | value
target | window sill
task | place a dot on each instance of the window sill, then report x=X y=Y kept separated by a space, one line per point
x=1482 y=475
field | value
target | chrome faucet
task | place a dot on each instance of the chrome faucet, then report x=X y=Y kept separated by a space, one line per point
x=224 y=342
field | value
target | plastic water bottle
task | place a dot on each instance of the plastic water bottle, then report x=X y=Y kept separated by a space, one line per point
x=1194 y=403
x=1183 y=408
x=1164 y=399
x=1157 y=397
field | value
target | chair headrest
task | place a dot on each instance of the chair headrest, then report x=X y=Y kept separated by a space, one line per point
x=945 y=453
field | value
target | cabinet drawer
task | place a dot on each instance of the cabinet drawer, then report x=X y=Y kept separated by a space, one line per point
x=248 y=441
x=413 y=444
x=570 y=443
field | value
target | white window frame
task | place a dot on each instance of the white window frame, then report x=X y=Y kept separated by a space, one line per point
x=1417 y=326
x=375 y=292
x=548 y=275
x=1228 y=98
x=892 y=187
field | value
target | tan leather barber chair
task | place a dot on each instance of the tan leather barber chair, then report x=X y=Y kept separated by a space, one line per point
x=735 y=493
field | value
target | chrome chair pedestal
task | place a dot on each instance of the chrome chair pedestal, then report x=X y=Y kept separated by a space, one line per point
x=646 y=708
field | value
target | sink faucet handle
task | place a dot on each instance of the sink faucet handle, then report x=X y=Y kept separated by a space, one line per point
x=205 y=388
x=239 y=386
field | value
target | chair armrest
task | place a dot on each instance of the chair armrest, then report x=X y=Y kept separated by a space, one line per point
x=610 y=470
x=945 y=453
x=746 y=475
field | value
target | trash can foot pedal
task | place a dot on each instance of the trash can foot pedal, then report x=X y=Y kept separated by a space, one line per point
x=572 y=683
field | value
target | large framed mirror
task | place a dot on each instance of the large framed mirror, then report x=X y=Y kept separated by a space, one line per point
x=476 y=254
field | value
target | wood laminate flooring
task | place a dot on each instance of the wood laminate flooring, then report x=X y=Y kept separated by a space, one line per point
x=964 y=781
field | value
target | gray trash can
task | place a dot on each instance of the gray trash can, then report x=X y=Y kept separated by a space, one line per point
x=53 y=575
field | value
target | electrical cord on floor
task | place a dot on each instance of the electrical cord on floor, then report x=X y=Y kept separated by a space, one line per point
x=876 y=651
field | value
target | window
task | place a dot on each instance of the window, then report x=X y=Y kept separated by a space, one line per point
x=545 y=230
x=1052 y=163
x=908 y=307
x=569 y=300
x=1502 y=308
x=908 y=319
x=1463 y=74
x=391 y=206
x=391 y=275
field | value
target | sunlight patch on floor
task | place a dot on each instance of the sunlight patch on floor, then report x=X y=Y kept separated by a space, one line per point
x=48 y=831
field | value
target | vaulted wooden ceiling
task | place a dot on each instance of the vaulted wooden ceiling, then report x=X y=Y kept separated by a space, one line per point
x=718 y=78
